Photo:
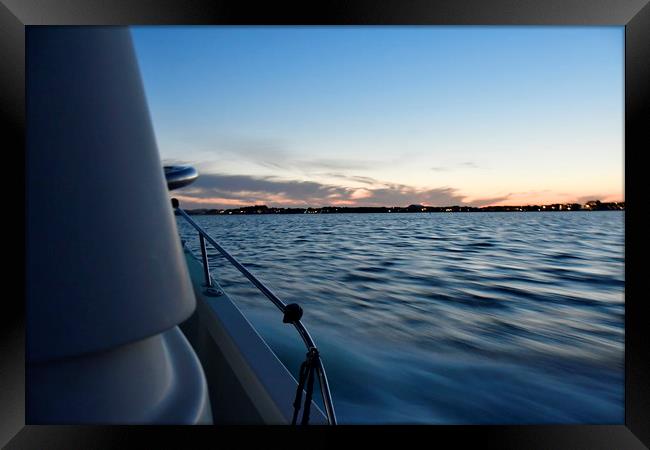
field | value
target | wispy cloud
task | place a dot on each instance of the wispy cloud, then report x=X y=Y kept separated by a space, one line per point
x=357 y=178
x=338 y=164
x=277 y=154
x=462 y=165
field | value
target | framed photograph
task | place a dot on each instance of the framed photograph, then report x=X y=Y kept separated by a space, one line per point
x=403 y=220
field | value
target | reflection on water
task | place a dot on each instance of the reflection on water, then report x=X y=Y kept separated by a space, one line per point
x=468 y=318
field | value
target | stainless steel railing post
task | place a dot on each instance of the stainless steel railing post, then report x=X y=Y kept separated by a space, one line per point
x=325 y=393
x=206 y=264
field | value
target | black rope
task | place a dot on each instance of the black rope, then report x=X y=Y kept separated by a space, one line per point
x=301 y=383
x=310 y=390
x=307 y=369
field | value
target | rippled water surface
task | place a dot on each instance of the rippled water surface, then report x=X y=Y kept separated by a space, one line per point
x=443 y=318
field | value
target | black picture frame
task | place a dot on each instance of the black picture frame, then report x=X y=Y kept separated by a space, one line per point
x=15 y=15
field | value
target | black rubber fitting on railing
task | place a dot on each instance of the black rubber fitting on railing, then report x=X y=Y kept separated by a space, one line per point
x=175 y=203
x=292 y=313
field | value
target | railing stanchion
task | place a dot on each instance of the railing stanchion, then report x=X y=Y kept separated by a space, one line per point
x=206 y=264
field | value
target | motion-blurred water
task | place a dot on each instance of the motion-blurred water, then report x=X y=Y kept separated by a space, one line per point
x=457 y=318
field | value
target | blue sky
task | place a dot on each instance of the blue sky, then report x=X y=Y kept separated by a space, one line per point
x=297 y=116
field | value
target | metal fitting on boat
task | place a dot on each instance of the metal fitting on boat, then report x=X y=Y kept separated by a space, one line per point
x=212 y=292
x=292 y=313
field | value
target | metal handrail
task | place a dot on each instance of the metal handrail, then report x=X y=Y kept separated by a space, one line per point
x=304 y=334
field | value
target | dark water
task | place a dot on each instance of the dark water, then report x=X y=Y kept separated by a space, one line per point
x=460 y=318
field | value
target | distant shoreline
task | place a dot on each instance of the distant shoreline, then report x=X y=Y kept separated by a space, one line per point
x=557 y=207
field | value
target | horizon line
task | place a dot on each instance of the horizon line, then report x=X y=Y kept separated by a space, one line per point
x=540 y=205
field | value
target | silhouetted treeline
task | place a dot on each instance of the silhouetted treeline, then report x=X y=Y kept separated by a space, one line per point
x=594 y=205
